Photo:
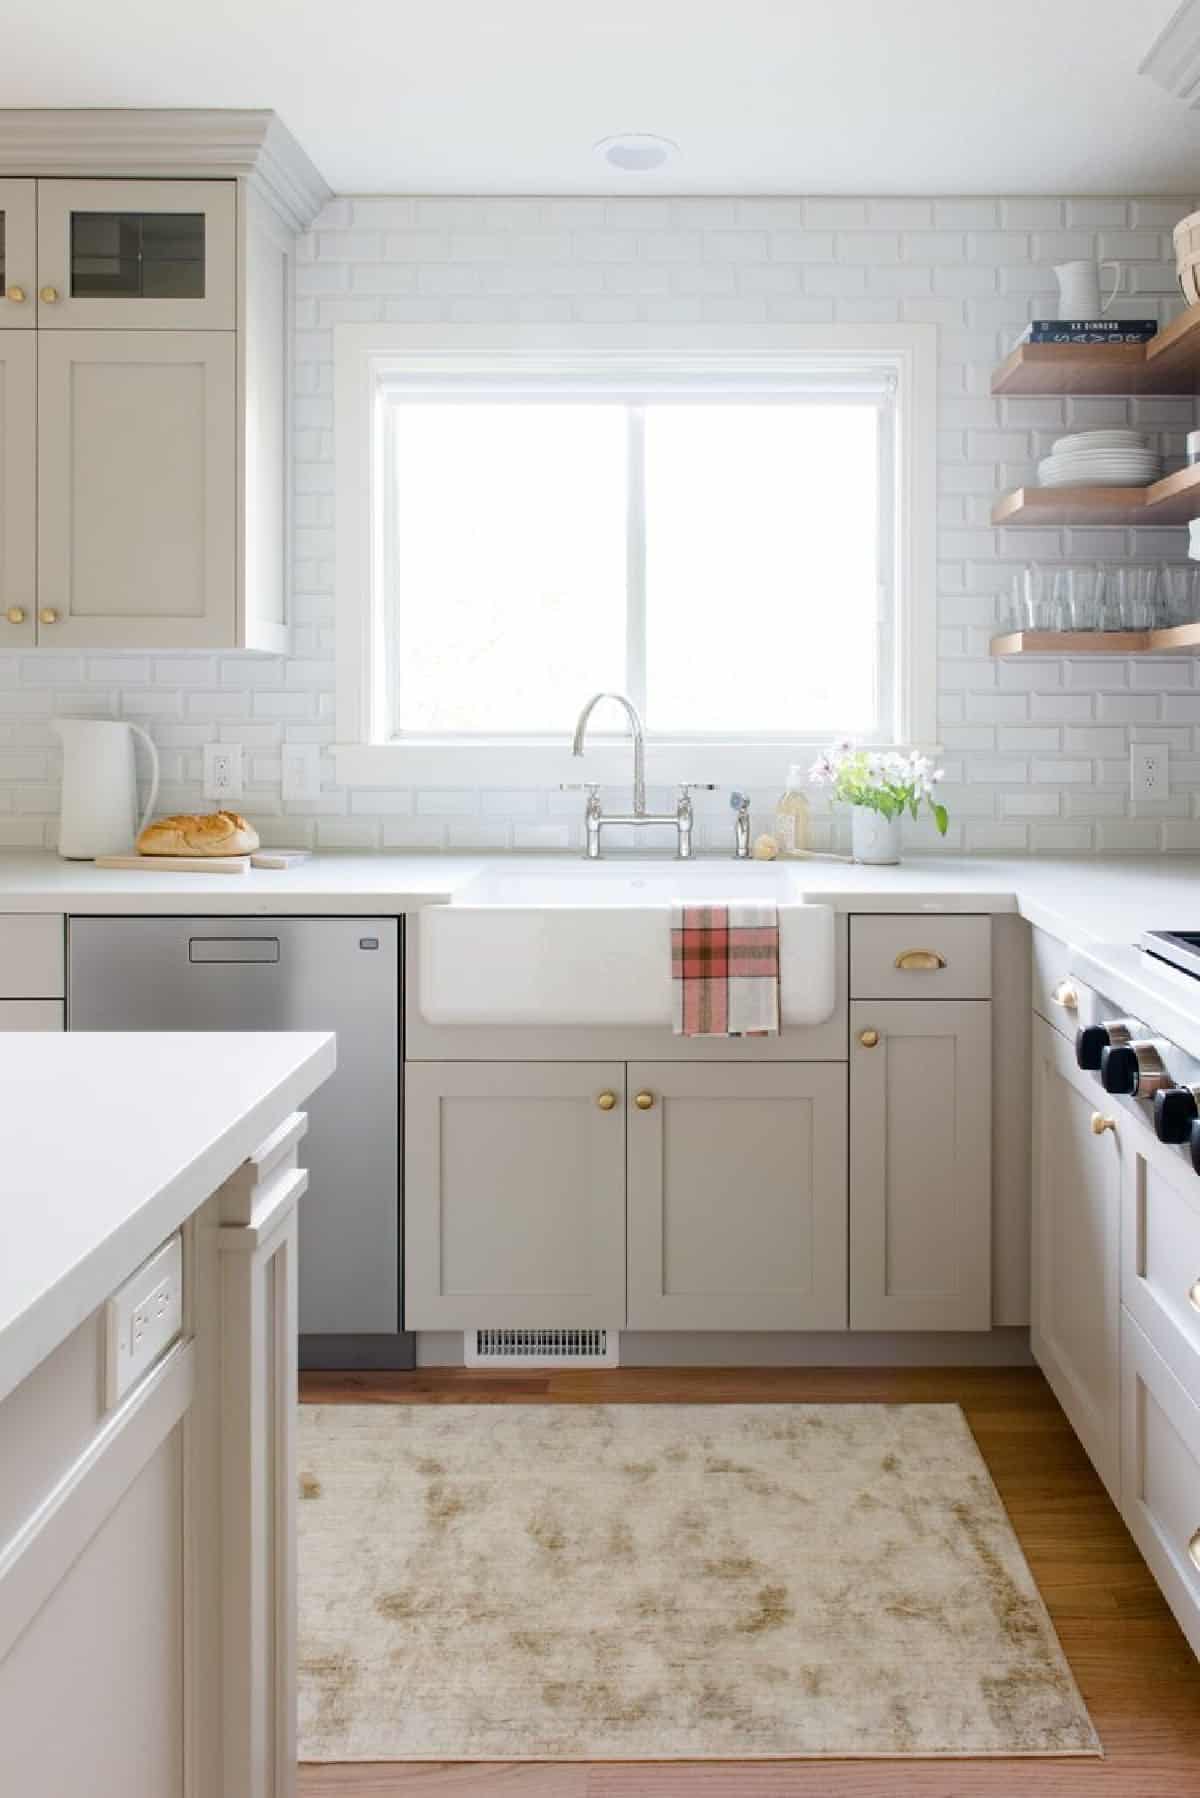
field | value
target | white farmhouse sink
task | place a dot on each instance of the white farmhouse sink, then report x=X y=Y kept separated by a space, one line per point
x=591 y=946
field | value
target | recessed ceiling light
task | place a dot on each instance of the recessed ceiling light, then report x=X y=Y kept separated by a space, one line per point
x=636 y=151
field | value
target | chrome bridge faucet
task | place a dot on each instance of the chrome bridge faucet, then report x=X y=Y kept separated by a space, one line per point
x=596 y=818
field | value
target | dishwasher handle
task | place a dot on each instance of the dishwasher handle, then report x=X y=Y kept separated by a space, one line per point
x=233 y=948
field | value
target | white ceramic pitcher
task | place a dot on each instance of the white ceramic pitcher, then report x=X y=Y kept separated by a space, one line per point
x=1079 y=288
x=99 y=814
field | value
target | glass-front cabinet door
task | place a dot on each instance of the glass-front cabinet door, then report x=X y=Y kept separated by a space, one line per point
x=136 y=255
x=18 y=255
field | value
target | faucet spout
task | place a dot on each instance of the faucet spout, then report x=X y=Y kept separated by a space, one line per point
x=639 y=743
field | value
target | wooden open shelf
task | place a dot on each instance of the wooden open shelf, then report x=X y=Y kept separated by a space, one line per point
x=1173 y=500
x=1169 y=363
x=1180 y=639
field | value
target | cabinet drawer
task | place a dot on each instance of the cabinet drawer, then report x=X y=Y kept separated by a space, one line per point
x=31 y=956
x=1053 y=995
x=913 y=956
x=1160 y=1252
x=32 y=1014
x=1160 y=1474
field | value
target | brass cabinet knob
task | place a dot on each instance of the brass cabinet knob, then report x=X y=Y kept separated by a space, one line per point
x=1065 y=995
x=868 y=1038
x=16 y=295
x=606 y=1101
x=48 y=295
x=920 y=961
x=644 y=1101
x=15 y=614
x=1100 y=1123
x=48 y=615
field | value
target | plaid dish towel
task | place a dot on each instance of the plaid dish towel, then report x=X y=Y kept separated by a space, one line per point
x=725 y=969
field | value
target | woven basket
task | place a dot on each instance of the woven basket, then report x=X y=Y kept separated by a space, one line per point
x=1187 y=256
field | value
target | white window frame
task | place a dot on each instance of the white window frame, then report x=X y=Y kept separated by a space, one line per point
x=368 y=356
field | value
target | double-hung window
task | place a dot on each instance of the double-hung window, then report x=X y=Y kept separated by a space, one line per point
x=725 y=540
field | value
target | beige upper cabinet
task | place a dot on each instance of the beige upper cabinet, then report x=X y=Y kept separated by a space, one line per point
x=137 y=255
x=1076 y=1237
x=737 y=1196
x=136 y=520
x=920 y=1164
x=18 y=488
x=18 y=255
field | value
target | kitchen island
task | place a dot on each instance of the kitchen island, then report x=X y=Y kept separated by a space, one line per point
x=148 y=1194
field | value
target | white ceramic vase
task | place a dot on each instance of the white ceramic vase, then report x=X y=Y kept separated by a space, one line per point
x=873 y=838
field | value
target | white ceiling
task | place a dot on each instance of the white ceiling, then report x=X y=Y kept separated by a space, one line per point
x=763 y=96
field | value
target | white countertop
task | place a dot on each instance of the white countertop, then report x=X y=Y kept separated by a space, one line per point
x=107 y=1144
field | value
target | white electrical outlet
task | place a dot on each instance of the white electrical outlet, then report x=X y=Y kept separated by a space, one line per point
x=301 y=771
x=222 y=771
x=1148 y=772
x=143 y=1319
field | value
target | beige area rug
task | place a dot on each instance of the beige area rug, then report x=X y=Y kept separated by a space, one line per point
x=666 y=1582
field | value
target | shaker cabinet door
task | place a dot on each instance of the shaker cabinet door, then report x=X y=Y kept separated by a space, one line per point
x=18 y=256
x=514 y=1195
x=18 y=488
x=737 y=1196
x=136 y=489
x=1076 y=1246
x=920 y=1164
x=137 y=255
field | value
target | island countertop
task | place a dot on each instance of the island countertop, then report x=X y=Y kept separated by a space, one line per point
x=107 y=1144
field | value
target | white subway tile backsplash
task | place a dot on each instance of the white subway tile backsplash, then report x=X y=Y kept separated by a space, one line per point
x=1037 y=749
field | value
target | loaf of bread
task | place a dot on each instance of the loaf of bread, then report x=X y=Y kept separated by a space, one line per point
x=198 y=833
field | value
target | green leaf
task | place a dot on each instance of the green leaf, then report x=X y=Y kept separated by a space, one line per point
x=941 y=818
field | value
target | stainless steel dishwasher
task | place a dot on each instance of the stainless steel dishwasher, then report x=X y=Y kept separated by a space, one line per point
x=340 y=974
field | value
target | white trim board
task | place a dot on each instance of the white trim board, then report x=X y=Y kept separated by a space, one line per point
x=365 y=354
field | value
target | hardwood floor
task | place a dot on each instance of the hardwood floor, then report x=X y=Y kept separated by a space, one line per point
x=1134 y=1668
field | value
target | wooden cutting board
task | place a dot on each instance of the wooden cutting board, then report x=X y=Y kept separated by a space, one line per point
x=178 y=864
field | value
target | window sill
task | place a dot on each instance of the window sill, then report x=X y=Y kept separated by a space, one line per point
x=506 y=763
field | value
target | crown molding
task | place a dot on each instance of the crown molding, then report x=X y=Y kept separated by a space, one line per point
x=1173 y=60
x=256 y=147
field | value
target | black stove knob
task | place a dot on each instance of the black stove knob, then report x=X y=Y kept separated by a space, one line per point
x=1175 y=1112
x=1119 y=1069
x=1091 y=1040
x=1195 y=1145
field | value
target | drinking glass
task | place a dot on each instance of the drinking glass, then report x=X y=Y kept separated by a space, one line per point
x=1178 y=593
x=1135 y=589
x=1082 y=592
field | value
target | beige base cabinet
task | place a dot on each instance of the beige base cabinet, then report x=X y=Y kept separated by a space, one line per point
x=737 y=1196
x=1160 y=1473
x=920 y=1164
x=1076 y=1243
x=514 y=1195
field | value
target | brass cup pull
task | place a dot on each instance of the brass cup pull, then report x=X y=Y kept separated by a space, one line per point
x=1065 y=995
x=1100 y=1123
x=15 y=614
x=1194 y=1295
x=606 y=1101
x=16 y=295
x=1194 y=1548
x=48 y=296
x=868 y=1038
x=48 y=616
x=920 y=961
x=644 y=1101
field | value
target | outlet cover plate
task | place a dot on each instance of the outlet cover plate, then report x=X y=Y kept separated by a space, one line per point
x=222 y=771
x=301 y=765
x=143 y=1319
x=1149 y=772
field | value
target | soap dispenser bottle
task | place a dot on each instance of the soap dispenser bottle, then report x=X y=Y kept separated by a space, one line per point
x=791 y=815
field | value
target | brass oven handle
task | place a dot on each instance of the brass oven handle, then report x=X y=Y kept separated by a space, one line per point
x=1194 y=1548
x=1064 y=994
x=920 y=961
x=1100 y=1124
x=1194 y=1295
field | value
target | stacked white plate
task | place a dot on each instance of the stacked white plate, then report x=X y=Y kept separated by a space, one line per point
x=1100 y=459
